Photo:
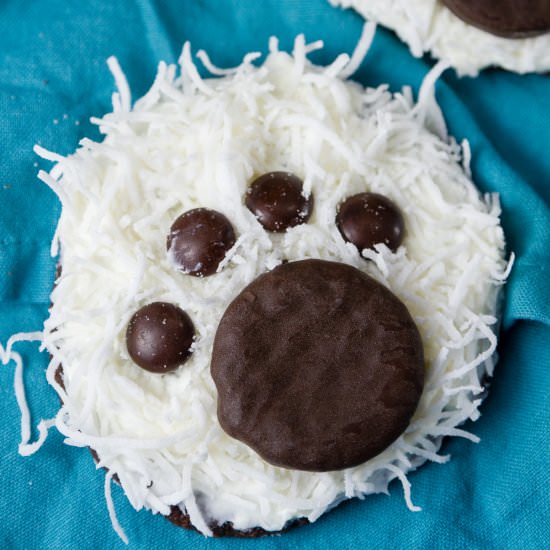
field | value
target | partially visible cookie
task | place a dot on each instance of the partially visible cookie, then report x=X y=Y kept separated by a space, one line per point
x=468 y=34
x=507 y=18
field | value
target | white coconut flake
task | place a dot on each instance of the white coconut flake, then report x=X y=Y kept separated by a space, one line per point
x=7 y=355
x=111 y=508
x=198 y=142
x=406 y=487
x=429 y=26
x=365 y=40
x=217 y=71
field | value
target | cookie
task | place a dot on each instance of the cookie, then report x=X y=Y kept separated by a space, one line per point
x=171 y=229
x=469 y=35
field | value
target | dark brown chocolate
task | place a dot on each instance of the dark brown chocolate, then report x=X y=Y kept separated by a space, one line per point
x=318 y=366
x=508 y=18
x=199 y=240
x=277 y=200
x=181 y=519
x=367 y=219
x=159 y=337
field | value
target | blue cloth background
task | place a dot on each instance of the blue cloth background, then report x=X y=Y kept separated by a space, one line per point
x=53 y=77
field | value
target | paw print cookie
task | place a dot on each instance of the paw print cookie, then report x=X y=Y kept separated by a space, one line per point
x=278 y=291
x=469 y=35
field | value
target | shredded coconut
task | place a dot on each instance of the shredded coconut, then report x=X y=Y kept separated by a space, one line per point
x=111 y=508
x=429 y=26
x=193 y=142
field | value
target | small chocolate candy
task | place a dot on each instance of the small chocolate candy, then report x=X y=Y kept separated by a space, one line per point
x=318 y=366
x=367 y=219
x=159 y=337
x=277 y=200
x=508 y=18
x=199 y=240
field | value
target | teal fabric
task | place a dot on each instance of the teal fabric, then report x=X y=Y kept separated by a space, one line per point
x=53 y=77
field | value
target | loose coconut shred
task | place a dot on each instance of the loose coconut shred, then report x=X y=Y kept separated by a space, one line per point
x=193 y=142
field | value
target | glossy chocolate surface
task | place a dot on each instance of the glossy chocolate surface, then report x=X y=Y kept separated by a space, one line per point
x=277 y=200
x=159 y=337
x=199 y=240
x=367 y=219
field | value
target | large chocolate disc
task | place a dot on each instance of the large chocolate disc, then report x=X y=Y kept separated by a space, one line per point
x=318 y=366
x=509 y=18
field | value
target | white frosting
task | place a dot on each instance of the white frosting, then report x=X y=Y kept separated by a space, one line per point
x=429 y=26
x=190 y=142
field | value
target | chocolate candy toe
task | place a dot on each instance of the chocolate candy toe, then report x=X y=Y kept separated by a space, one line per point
x=318 y=366
x=367 y=219
x=159 y=337
x=199 y=240
x=277 y=200
x=508 y=18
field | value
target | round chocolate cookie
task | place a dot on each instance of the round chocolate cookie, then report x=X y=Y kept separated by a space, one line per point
x=508 y=18
x=318 y=366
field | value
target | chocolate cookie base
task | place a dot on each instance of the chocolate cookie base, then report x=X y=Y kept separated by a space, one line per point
x=181 y=519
